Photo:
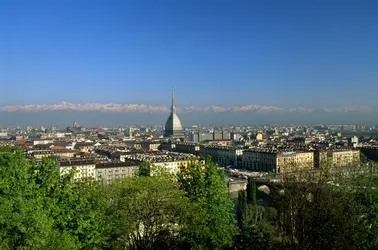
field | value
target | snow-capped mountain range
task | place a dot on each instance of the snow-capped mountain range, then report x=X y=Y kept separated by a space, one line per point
x=112 y=107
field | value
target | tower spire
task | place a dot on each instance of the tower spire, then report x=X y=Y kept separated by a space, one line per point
x=173 y=108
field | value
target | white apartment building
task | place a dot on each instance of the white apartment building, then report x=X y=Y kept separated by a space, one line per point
x=83 y=168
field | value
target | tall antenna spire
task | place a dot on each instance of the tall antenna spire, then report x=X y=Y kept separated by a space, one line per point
x=173 y=109
x=173 y=96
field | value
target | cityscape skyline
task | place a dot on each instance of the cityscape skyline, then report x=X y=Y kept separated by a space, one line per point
x=141 y=114
x=192 y=124
x=286 y=54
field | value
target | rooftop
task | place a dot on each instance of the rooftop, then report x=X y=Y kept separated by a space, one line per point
x=81 y=162
x=128 y=163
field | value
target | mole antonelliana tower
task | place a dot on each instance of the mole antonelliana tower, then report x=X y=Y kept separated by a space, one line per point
x=173 y=126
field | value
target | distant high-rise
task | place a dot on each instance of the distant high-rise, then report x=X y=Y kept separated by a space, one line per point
x=173 y=126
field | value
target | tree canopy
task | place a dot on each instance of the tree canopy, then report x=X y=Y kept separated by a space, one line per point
x=213 y=224
x=40 y=209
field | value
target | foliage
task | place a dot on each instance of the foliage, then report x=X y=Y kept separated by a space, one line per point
x=246 y=206
x=241 y=214
x=213 y=224
x=369 y=200
x=367 y=196
x=253 y=237
x=363 y=158
x=251 y=191
x=149 y=213
x=320 y=216
x=40 y=209
x=144 y=169
x=24 y=221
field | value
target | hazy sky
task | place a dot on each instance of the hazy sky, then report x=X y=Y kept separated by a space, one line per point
x=214 y=52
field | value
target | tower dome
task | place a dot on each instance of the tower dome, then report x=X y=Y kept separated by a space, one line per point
x=173 y=126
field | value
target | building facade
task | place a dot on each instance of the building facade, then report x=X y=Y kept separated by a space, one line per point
x=83 y=168
x=109 y=172
x=294 y=161
x=336 y=158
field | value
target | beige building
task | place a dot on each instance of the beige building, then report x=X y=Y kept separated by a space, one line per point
x=345 y=158
x=277 y=162
x=108 y=172
x=39 y=154
x=83 y=168
x=65 y=153
x=84 y=147
x=175 y=166
x=223 y=155
x=147 y=145
x=172 y=161
x=189 y=148
x=337 y=158
x=294 y=161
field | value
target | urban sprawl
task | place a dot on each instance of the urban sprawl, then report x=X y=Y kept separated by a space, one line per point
x=107 y=154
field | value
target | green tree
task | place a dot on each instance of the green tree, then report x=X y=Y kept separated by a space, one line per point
x=367 y=196
x=251 y=191
x=320 y=216
x=144 y=169
x=242 y=207
x=41 y=209
x=253 y=237
x=256 y=232
x=149 y=213
x=213 y=225
x=25 y=221
x=369 y=200
x=81 y=212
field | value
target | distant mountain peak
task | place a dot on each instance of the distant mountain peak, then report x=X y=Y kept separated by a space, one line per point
x=113 y=107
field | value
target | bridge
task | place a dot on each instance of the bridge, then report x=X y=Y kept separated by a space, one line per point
x=261 y=184
x=273 y=183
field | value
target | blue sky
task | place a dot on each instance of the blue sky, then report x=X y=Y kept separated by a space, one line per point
x=310 y=53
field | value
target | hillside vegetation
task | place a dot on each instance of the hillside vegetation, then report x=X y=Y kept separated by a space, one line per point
x=42 y=210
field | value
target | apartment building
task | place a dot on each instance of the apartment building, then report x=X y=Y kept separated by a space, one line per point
x=275 y=161
x=39 y=154
x=84 y=168
x=294 y=161
x=65 y=153
x=345 y=157
x=42 y=141
x=84 y=147
x=171 y=161
x=188 y=148
x=147 y=145
x=173 y=166
x=336 y=157
x=109 y=172
x=259 y=160
x=229 y=156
